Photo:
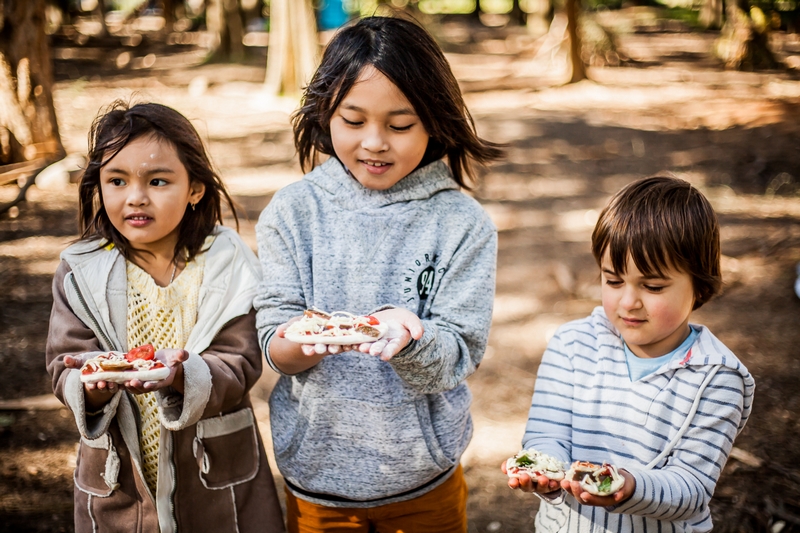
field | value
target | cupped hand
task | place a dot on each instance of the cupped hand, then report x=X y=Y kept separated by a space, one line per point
x=525 y=483
x=587 y=498
x=99 y=389
x=403 y=325
x=173 y=359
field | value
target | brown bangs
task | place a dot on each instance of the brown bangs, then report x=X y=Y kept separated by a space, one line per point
x=663 y=223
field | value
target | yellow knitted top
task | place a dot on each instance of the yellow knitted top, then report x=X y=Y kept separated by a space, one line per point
x=164 y=317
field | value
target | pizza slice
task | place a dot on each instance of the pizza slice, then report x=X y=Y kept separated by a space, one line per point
x=340 y=327
x=139 y=363
x=535 y=464
x=600 y=480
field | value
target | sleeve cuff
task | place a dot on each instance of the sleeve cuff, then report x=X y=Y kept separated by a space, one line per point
x=553 y=498
x=179 y=411
x=636 y=498
x=270 y=362
x=91 y=426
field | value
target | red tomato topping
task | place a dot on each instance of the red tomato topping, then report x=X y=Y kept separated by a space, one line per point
x=146 y=352
x=158 y=364
x=87 y=370
x=372 y=321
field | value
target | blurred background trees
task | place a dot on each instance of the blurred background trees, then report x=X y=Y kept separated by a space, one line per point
x=287 y=35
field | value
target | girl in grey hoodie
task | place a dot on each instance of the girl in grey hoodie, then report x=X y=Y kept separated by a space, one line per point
x=373 y=434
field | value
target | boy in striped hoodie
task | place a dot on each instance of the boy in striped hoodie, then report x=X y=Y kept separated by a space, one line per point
x=635 y=384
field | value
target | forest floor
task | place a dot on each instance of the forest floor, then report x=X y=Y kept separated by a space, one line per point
x=734 y=135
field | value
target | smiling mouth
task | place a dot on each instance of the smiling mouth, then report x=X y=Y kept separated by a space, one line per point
x=375 y=163
x=633 y=321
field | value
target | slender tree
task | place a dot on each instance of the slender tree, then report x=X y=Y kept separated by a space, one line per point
x=224 y=20
x=28 y=126
x=293 y=52
x=572 y=8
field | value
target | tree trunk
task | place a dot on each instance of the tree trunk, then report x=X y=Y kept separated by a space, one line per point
x=292 y=53
x=28 y=126
x=225 y=22
x=711 y=14
x=744 y=43
x=169 y=13
x=578 y=68
x=517 y=15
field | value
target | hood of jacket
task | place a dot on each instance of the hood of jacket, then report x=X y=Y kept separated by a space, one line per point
x=98 y=273
x=707 y=350
x=344 y=190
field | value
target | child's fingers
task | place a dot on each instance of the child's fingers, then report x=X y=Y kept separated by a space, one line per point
x=308 y=349
x=377 y=347
x=415 y=327
x=70 y=361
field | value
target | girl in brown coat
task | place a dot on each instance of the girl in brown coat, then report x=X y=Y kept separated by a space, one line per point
x=153 y=267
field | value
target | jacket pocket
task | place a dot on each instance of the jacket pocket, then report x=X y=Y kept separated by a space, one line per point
x=98 y=464
x=226 y=449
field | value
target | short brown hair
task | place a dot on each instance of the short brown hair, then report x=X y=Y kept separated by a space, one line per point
x=113 y=129
x=662 y=222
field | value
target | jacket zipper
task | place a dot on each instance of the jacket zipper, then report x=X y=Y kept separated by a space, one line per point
x=110 y=346
x=99 y=330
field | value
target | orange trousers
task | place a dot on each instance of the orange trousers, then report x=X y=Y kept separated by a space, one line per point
x=442 y=510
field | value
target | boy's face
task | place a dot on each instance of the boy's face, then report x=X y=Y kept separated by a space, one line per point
x=376 y=133
x=651 y=314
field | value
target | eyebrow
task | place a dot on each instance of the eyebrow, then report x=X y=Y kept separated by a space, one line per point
x=395 y=112
x=157 y=170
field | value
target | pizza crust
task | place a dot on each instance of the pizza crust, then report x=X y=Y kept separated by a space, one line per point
x=154 y=374
x=351 y=338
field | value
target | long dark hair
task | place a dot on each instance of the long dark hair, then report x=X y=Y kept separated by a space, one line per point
x=113 y=129
x=406 y=54
x=662 y=222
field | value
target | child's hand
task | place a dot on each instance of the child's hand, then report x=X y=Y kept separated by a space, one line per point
x=586 y=498
x=96 y=394
x=314 y=349
x=173 y=359
x=525 y=483
x=403 y=326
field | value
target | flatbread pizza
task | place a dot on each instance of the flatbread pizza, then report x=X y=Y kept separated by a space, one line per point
x=535 y=464
x=600 y=480
x=139 y=363
x=342 y=328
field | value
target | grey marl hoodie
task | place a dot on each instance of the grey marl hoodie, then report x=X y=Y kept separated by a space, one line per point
x=354 y=431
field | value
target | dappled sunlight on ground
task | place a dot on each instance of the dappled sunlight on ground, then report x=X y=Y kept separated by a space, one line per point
x=733 y=135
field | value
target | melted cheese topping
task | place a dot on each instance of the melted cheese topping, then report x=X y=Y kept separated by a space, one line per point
x=339 y=324
x=531 y=460
x=115 y=361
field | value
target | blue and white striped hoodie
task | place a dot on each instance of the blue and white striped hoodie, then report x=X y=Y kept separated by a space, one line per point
x=586 y=408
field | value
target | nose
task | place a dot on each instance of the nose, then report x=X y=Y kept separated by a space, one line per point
x=374 y=140
x=630 y=298
x=137 y=195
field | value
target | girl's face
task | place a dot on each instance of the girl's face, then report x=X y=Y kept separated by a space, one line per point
x=651 y=314
x=146 y=191
x=376 y=133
